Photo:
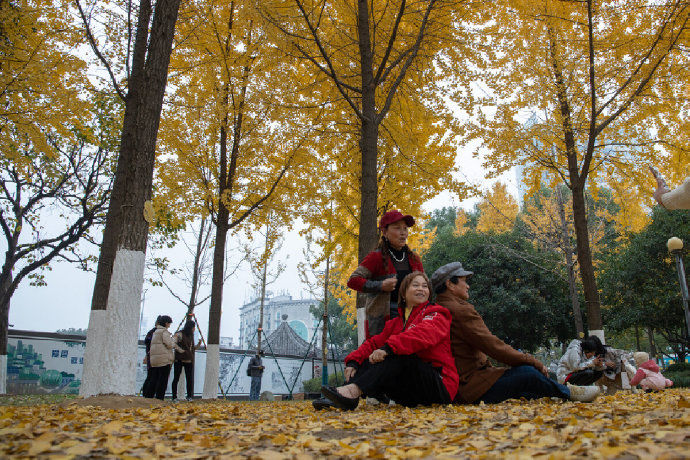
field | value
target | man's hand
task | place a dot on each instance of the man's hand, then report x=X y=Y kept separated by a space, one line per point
x=349 y=373
x=388 y=285
x=661 y=187
x=377 y=356
x=541 y=368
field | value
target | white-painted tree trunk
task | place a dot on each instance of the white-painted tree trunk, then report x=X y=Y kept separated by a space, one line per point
x=361 y=331
x=599 y=333
x=110 y=357
x=212 y=371
x=3 y=374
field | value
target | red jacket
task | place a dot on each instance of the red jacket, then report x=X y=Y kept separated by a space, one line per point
x=425 y=334
x=376 y=271
x=367 y=278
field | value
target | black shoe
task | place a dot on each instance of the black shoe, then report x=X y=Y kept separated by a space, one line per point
x=338 y=400
x=323 y=403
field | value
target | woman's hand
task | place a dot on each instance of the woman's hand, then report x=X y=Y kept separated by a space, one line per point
x=388 y=285
x=598 y=361
x=377 y=356
x=349 y=373
x=661 y=187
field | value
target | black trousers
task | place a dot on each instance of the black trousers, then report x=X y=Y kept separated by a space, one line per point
x=147 y=389
x=189 y=378
x=159 y=380
x=405 y=379
x=584 y=377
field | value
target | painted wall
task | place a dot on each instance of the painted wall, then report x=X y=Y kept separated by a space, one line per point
x=50 y=363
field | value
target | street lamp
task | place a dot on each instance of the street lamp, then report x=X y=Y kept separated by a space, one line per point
x=675 y=247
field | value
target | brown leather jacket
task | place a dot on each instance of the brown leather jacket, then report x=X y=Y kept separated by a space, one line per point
x=471 y=342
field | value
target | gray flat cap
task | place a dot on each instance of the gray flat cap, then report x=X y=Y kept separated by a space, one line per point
x=446 y=272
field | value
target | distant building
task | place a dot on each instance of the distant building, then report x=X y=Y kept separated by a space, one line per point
x=299 y=318
x=226 y=342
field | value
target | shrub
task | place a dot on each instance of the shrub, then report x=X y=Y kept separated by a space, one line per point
x=678 y=367
x=680 y=379
x=314 y=385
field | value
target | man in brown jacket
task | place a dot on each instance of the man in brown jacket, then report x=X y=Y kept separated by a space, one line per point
x=471 y=342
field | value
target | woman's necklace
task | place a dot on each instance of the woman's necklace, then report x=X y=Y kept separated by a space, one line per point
x=395 y=258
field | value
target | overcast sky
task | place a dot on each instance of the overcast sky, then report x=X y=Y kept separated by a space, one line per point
x=65 y=301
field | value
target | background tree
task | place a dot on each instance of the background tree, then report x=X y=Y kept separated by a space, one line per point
x=547 y=219
x=605 y=83
x=110 y=355
x=56 y=143
x=497 y=211
x=232 y=134
x=518 y=289
x=374 y=68
x=640 y=283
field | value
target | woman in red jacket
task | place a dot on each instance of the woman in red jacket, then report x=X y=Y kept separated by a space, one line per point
x=380 y=273
x=410 y=361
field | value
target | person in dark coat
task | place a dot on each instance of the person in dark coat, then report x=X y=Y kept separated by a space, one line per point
x=185 y=359
x=255 y=370
x=409 y=362
x=471 y=342
x=146 y=389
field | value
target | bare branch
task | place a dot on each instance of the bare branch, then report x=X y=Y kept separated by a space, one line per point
x=98 y=53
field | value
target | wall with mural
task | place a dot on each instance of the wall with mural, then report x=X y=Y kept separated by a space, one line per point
x=41 y=363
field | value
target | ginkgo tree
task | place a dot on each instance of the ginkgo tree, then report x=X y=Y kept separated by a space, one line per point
x=377 y=69
x=232 y=137
x=57 y=138
x=110 y=355
x=605 y=83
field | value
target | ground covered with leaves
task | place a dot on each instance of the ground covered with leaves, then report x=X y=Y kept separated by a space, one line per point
x=654 y=425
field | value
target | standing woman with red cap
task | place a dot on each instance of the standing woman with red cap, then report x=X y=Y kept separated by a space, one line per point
x=380 y=273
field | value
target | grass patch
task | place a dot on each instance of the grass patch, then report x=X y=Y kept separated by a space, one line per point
x=34 y=400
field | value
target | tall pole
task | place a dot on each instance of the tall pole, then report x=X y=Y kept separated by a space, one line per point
x=683 y=288
x=675 y=246
x=260 y=328
x=324 y=333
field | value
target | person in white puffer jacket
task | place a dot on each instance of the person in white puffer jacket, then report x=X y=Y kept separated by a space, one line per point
x=582 y=363
x=161 y=357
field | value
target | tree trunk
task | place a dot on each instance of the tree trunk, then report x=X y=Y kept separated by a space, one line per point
x=211 y=375
x=568 y=251
x=4 y=326
x=111 y=346
x=637 y=339
x=577 y=186
x=652 y=345
x=369 y=151
x=584 y=257
x=260 y=329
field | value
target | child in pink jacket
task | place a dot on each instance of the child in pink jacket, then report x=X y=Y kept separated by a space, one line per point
x=648 y=375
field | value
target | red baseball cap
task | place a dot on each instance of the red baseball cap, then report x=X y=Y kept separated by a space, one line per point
x=394 y=216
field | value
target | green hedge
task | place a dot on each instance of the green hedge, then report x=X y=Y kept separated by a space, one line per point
x=680 y=379
x=678 y=367
x=314 y=385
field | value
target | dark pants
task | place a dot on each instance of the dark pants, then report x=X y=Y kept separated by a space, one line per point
x=147 y=389
x=255 y=388
x=407 y=380
x=524 y=382
x=159 y=380
x=189 y=377
x=584 y=377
